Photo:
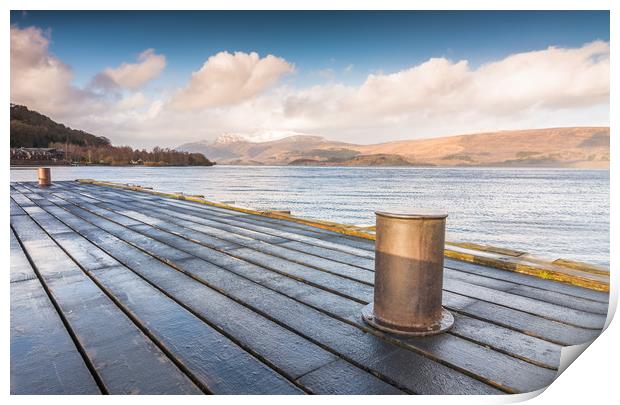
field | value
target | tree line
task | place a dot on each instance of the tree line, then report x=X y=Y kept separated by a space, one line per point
x=126 y=155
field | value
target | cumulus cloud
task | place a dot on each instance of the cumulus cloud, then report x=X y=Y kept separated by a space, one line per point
x=549 y=79
x=44 y=83
x=227 y=79
x=38 y=78
x=134 y=75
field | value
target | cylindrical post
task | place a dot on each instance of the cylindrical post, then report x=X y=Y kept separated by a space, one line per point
x=409 y=252
x=45 y=176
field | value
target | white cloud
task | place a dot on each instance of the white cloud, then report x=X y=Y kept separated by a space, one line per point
x=238 y=92
x=552 y=79
x=135 y=75
x=38 y=78
x=132 y=101
x=227 y=79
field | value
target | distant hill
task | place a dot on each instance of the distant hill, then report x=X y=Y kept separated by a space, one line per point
x=31 y=129
x=231 y=148
x=583 y=147
x=379 y=159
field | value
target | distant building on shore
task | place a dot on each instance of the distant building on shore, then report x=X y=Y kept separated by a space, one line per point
x=37 y=155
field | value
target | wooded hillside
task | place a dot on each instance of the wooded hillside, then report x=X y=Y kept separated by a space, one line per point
x=30 y=129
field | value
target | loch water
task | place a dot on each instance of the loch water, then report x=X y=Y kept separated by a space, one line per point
x=549 y=212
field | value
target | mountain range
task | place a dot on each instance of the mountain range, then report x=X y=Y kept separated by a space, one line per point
x=579 y=147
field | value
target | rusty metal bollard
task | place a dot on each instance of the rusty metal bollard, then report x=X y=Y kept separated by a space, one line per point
x=409 y=252
x=45 y=177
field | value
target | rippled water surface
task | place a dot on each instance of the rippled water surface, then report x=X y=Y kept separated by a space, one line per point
x=551 y=212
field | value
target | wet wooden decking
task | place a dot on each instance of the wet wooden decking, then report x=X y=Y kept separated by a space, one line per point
x=116 y=291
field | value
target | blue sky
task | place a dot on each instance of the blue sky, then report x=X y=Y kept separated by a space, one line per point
x=368 y=41
x=178 y=76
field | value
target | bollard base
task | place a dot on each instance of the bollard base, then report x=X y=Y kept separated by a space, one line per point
x=447 y=320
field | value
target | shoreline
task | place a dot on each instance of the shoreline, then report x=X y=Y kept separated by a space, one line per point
x=31 y=166
x=35 y=165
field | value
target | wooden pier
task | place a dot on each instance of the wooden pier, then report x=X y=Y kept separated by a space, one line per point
x=117 y=291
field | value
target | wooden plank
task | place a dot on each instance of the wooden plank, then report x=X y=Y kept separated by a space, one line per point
x=210 y=224
x=279 y=347
x=552 y=331
x=366 y=350
x=544 y=309
x=298 y=290
x=343 y=257
x=20 y=268
x=363 y=245
x=569 y=301
x=420 y=367
x=227 y=234
x=279 y=231
x=319 y=263
x=182 y=227
x=349 y=288
x=477 y=280
x=349 y=271
x=265 y=337
x=200 y=213
x=341 y=378
x=182 y=214
x=242 y=217
x=503 y=274
x=15 y=208
x=152 y=266
x=44 y=359
x=144 y=242
x=526 y=280
x=215 y=361
x=21 y=200
x=165 y=232
x=529 y=348
x=125 y=360
x=49 y=224
x=497 y=368
x=122 y=214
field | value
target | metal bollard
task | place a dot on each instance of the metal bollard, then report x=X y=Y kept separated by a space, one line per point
x=409 y=252
x=45 y=177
